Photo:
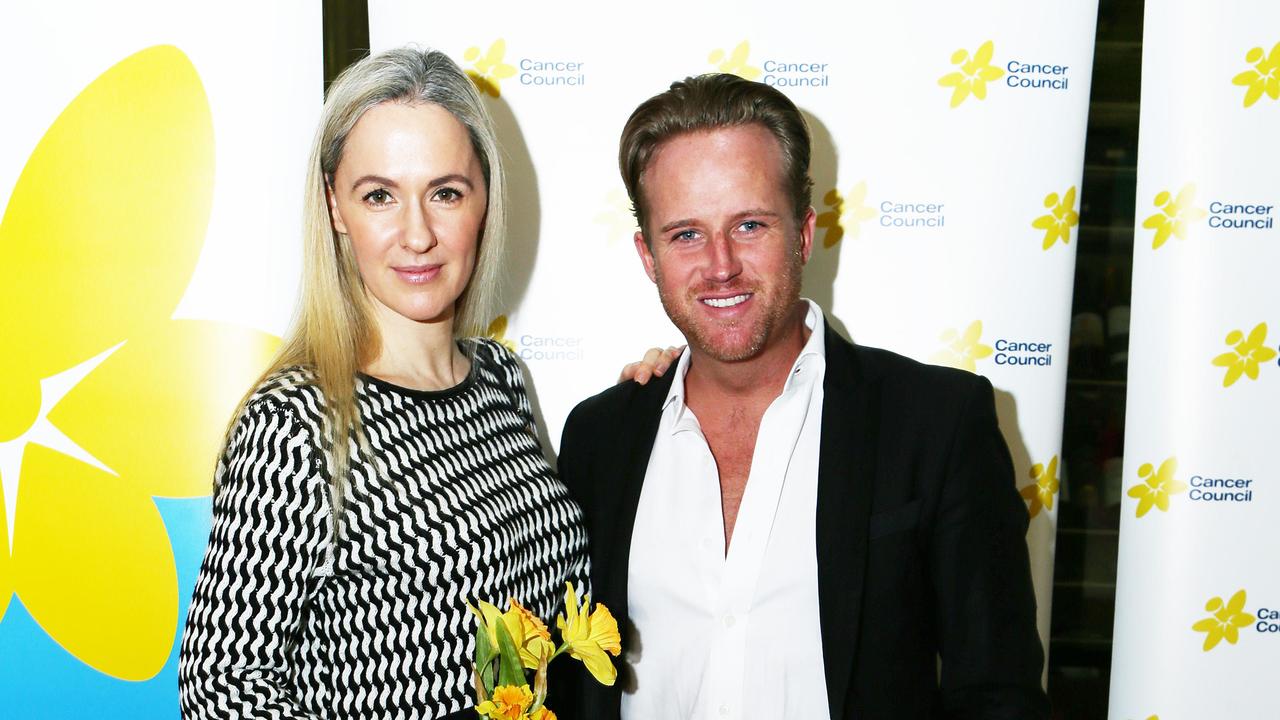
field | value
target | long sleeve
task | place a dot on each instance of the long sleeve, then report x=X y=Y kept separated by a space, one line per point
x=268 y=538
x=985 y=605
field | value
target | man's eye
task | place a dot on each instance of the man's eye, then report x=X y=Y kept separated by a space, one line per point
x=751 y=225
x=685 y=236
x=378 y=197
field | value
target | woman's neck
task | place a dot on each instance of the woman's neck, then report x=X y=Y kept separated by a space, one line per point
x=417 y=355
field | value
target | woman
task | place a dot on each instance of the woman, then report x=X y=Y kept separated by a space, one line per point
x=382 y=474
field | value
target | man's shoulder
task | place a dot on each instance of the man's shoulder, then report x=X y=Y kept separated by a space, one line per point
x=618 y=400
x=898 y=374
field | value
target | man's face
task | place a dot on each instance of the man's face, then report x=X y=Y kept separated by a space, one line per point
x=724 y=247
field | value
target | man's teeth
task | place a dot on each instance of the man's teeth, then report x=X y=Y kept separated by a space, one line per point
x=727 y=302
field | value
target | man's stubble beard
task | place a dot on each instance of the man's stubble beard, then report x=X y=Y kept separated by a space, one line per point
x=700 y=337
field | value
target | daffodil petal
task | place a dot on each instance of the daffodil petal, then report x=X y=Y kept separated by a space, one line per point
x=6 y=565
x=93 y=564
x=156 y=409
x=108 y=217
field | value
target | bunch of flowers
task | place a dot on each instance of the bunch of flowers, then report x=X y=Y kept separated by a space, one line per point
x=511 y=644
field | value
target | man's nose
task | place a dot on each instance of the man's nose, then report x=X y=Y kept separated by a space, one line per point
x=723 y=263
x=416 y=233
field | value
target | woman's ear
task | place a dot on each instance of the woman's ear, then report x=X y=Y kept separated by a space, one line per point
x=335 y=215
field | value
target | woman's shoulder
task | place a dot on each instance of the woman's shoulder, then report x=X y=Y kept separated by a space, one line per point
x=288 y=392
x=488 y=350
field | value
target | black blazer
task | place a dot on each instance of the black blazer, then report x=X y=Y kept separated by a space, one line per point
x=920 y=539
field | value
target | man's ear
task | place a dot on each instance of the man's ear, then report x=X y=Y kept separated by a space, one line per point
x=807 y=227
x=335 y=215
x=646 y=256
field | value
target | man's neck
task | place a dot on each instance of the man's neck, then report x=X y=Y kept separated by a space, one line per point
x=758 y=379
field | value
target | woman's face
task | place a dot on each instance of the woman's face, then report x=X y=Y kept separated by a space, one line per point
x=409 y=194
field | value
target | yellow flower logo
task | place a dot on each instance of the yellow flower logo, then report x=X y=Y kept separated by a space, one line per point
x=1061 y=218
x=1176 y=213
x=1039 y=495
x=1245 y=355
x=1263 y=77
x=973 y=74
x=107 y=401
x=498 y=332
x=844 y=213
x=1225 y=621
x=735 y=61
x=1157 y=486
x=489 y=71
x=963 y=349
x=616 y=215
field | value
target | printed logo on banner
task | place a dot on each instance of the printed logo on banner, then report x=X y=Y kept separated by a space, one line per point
x=497 y=332
x=616 y=215
x=1157 y=486
x=489 y=69
x=974 y=71
x=785 y=73
x=1224 y=621
x=844 y=213
x=735 y=62
x=1176 y=215
x=1263 y=77
x=1247 y=354
x=1039 y=495
x=1062 y=216
x=963 y=349
x=536 y=347
x=111 y=403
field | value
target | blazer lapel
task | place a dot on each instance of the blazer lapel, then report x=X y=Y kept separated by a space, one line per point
x=846 y=473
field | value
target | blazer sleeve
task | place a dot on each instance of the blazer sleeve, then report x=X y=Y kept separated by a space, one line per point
x=985 y=605
x=270 y=529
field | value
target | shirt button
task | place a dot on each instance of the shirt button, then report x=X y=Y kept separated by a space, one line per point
x=729 y=621
x=724 y=710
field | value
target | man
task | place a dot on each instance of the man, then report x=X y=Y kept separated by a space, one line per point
x=788 y=526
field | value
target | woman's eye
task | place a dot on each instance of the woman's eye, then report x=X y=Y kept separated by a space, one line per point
x=378 y=197
x=448 y=194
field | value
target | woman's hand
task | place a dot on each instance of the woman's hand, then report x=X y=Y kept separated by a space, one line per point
x=655 y=362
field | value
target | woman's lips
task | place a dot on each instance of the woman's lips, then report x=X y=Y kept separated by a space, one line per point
x=417 y=274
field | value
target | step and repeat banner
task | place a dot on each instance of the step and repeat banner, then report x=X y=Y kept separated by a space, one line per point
x=1197 y=628
x=150 y=190
x=948 y=149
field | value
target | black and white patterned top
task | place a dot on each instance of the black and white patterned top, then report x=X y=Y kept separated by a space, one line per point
x=456 y=504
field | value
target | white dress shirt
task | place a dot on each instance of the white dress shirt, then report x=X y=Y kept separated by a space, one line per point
x=721 y=635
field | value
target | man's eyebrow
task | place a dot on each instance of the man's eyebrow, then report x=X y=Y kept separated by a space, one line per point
x=675 y=224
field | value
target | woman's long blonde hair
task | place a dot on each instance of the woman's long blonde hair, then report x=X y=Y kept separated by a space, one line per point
x=334 y=333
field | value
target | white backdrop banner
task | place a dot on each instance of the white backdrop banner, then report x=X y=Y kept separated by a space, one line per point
x=1197 y=628
x=150 y=188
x=948 y=150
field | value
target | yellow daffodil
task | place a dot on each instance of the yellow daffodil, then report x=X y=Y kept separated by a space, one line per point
x=542 y=713
x=589 y=637
x=489 y=71
x=1039 y=495
x=498 y=332
x=1263 y=77
x=1176 y=215
x=108 y=401
x=1061 y=218
x=962 y=350
x=529 y=634
x=974 y=72
x=1158 y=486
x=508 y=703
x=846 y=213
x=1226 y=621
x=735 y=62
x=1247 y=353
